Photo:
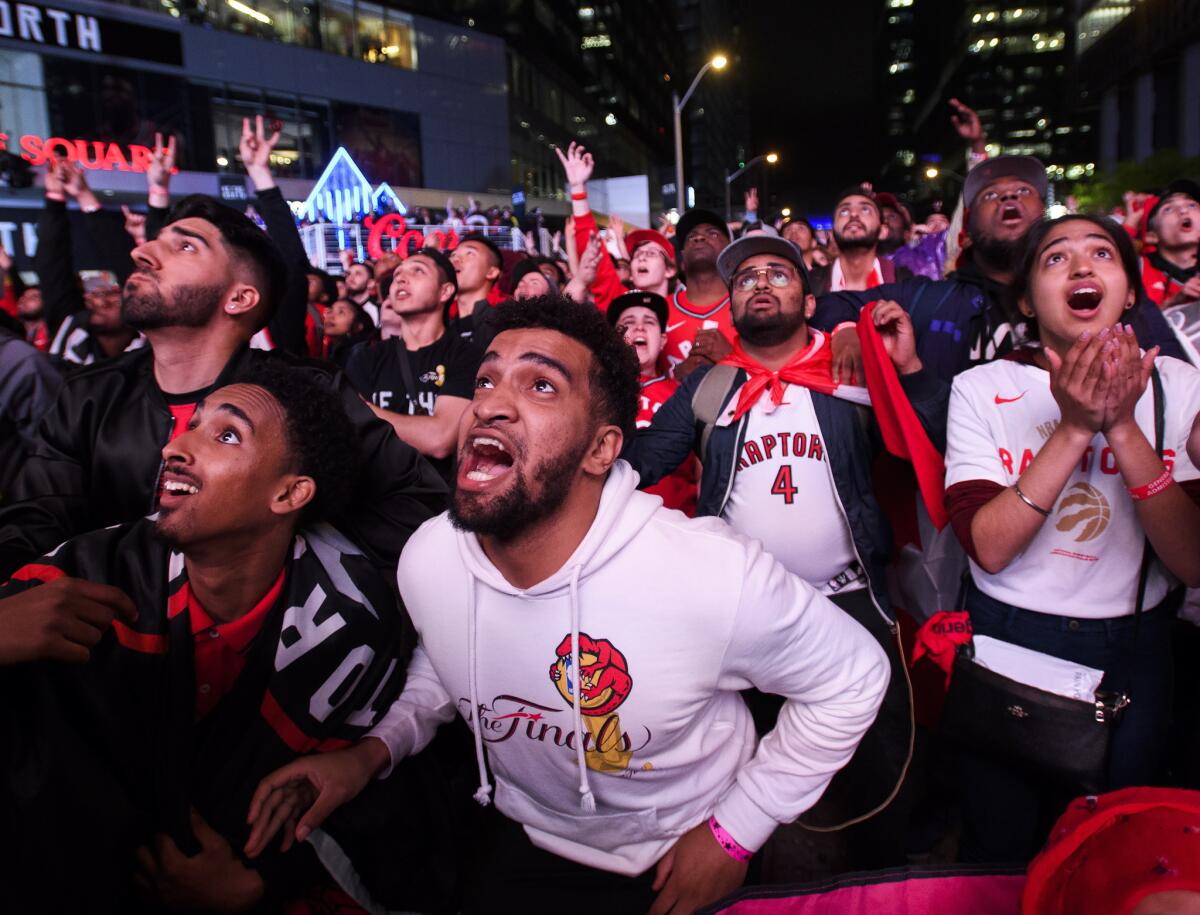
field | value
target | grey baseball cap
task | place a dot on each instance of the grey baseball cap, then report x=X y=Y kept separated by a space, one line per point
x=1025 y=168
x=749 y=246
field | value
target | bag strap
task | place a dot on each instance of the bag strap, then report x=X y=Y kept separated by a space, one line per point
x=1160 y=421
x=410 y=379
x=708 y=398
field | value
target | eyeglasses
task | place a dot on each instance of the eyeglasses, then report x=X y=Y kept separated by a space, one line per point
x=646 y=253
x=776 y=274
x=993 y=196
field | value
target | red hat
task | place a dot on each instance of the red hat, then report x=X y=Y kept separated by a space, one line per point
x=1108 y=853
x=639 y=237
x=888 y=199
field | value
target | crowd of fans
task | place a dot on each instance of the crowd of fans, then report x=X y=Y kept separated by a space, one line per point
x=741 y=488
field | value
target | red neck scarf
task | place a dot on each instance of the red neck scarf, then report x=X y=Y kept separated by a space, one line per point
x=901 y=429
x=811 y=367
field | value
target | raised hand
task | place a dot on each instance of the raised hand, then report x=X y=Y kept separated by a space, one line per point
x=578 y=165
x=899 y=339
x=135 y=225
x=255 y=149
x=966 y=122
x=52 y=181
x=751 y=200
x=1079 y=383
x=162 y=166
x=1128 y=372
x=73 y=181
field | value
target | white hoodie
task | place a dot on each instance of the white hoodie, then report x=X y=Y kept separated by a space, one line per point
x=675 y=616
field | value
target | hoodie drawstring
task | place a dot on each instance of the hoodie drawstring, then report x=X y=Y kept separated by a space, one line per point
x=587 y=800
x=483 y=795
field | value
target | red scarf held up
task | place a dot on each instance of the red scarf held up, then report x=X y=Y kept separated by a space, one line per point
x=902 y=432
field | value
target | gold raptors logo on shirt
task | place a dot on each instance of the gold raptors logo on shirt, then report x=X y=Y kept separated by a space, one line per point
x=1093 y=513
x=604 y=683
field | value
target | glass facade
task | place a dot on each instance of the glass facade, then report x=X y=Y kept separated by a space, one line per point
x=57 y=97
x=348 y=28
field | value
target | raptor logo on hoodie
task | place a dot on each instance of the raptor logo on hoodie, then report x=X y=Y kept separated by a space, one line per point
x=604 y=683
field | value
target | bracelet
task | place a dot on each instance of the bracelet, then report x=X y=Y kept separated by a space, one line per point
x=727 y=842
x=580 y=196
x=1028 y=501
x=1153 y=488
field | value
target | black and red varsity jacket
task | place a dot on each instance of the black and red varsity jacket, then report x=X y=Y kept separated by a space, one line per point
x=97 y=758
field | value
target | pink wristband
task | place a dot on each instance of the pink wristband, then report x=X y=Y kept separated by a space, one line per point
x=728 y=842
x=1153 y=488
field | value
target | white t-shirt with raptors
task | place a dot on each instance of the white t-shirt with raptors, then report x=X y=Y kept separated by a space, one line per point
x=783 y=494
x=1084 y=561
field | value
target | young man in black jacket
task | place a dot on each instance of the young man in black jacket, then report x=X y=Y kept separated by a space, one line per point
x=199 y=292
x=787 y=457
x=151 y=673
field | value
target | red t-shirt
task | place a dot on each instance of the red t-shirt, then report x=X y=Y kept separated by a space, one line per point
x=220 y=648
x=684 y=320
x=182 y=413
x=679 y=488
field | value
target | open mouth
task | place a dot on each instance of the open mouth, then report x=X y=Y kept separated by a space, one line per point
x=1010 y=214
x=1186 y=223
x=176 y=488
x=1084 y=300
x=485 y=459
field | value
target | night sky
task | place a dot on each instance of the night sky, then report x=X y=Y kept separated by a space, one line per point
x=812 y=79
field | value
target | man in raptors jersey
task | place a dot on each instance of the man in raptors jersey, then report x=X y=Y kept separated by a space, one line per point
x=640 y=318
x=699 y=325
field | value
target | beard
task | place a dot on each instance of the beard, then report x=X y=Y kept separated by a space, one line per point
x=511 y=514
x=998 y=253
x=768 y=330
x=866 y=241
x=193 y=306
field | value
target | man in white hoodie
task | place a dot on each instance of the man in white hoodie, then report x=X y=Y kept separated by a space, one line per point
x=639 y=775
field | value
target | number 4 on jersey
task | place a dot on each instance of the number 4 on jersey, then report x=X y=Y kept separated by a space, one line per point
x=783 y=485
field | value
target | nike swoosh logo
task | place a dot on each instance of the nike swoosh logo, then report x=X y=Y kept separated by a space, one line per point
x=1000 y=400
x=671 y=327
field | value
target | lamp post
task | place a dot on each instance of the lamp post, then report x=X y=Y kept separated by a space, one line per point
x=717 y=62
x=769 y=158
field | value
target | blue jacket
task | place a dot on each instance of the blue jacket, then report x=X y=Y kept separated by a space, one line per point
x=850 y=446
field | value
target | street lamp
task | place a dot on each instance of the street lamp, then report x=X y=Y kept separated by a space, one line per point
x=717 y=62
x=769 y=158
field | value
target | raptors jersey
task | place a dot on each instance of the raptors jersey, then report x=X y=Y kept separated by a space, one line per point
x=1084 y=560
x=684 y=320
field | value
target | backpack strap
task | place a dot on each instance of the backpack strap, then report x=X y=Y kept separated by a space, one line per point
x=708 y=398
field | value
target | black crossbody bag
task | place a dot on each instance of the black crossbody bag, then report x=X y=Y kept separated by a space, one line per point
x=1065 y=740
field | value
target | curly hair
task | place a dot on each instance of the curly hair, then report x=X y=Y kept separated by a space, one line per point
x=320 y=437
x=613 y=378
x=248 y=246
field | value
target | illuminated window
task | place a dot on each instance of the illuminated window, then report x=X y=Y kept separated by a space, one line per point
x=898 y=4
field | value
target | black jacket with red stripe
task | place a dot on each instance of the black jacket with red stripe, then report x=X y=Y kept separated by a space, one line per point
x=97 y=758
